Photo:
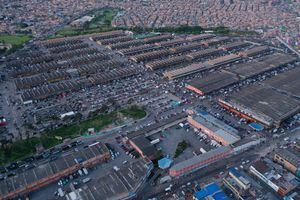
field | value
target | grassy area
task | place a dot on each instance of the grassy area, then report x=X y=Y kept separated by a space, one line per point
x=183 y=29
x=177 y=29
x=72 y=131
x=101 y=23
x=134 y=112
x=180 y=148
x=15 y=40
x=50 y=138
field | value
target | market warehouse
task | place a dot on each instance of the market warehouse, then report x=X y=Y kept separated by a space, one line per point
x=264 y=105
x=212 y=82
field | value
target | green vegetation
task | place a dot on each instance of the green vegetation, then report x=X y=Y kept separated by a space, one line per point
x=50 y=138
x=72 y=131
x=101 y=23
x=180 y=148
x=20 y=149
x=134 y=112
x=184 y=29
x=15 y=40
x=177 y=29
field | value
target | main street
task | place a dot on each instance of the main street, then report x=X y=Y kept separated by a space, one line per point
x=207 y=172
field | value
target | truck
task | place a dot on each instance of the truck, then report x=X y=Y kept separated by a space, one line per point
x=165 y=179
x=85 y=171
x=155 y=141
x=93 y=144
x=116 y=168
x=202 y=150
x=169 y=188
x=80 y=172
x=86 y=180
x=78 y=160
x=60 y=192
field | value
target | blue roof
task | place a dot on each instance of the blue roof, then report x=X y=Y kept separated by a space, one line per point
x=256 y=126
x=164 y=163
x=212 y=190
x=235 y=172
x=220 y=196
x=201 y=194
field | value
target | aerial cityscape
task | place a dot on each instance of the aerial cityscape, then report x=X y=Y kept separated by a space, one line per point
x=150 y=100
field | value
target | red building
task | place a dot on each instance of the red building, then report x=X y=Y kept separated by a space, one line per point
x=200 y=161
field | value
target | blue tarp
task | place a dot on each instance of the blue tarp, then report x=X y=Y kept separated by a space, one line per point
x=164 y=163
x=256 y=126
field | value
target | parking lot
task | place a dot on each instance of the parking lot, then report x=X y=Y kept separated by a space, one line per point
x=49 y=86
x=174 y=135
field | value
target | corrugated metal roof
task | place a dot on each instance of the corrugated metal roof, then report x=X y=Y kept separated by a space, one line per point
x=200 y=158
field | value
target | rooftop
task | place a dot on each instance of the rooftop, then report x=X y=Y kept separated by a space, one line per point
x=144 y=144
x=184 y=71
x=267 y=63
x=287 y=82
x=223 y=60
x=115 y=184
x=200 y=158
x=218 y=127
x=261 y=166
x=211 y=191
x=213 y=81
x=265 y=104
x=48 y=169
x=291 y=155
x=238 y=175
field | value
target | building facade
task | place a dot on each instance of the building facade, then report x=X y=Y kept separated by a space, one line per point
x=197 y=162
x=214 y=128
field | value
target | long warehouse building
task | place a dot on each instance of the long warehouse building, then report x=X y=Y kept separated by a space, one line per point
x=261 y=104
x=197 y=162
x=287 y=82
x=235 y=46
x=204 y=53
x=223 y=60
x=200 y=37
x=45 y=174
x=214 y=128
x=212 y=82
x=255 y=51
x=267 y=63
x=150 y=55
x=185 y=71
x=166 y=62
x=216 y=41
x=123 y=183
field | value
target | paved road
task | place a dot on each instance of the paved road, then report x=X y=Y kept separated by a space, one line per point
x=205 y=172
x=213 y=169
